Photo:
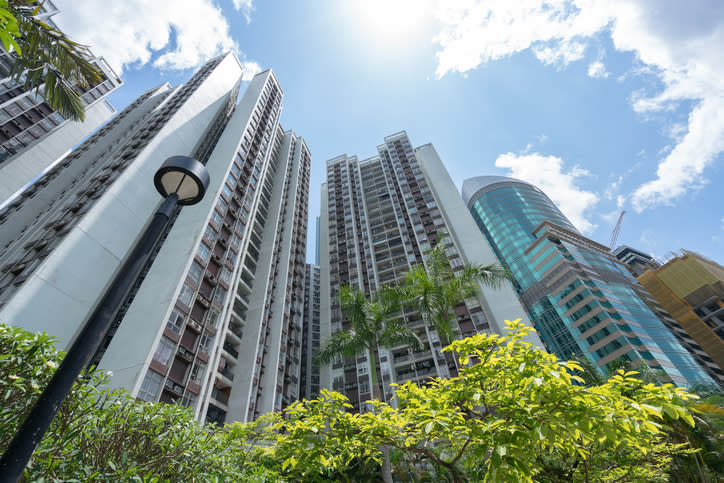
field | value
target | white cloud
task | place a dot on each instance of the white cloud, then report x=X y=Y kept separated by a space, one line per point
x=129 y=32
x=620 y=201
x=597 y=70
x=475 y=32
x=546 y=172
x=245 y=7
x=250 y=70
x=562 y=54
x=679 y=42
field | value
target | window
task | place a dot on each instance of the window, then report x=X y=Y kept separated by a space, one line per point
x=203 y=251
x=219 y=295
x=206 y=342
x=226 y=191
x=186 y=295
x=197 y=372
x=188 y=400
x=150 y=386
x=195 y=272
x=235 y=242
x=210 y=233
x=164 y=350
x=235 y=169
x=225 y=275
x=212 y=318
x=216 y=217
x=176 y=321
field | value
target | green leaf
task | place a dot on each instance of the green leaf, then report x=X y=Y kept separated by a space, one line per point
x=687 y=417
x=670 y=411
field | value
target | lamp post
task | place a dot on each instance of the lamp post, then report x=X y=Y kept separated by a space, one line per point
x=181 y=180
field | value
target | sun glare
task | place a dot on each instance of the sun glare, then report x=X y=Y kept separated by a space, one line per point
x=391 y=21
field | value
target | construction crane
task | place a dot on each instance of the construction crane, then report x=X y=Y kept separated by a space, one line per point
x=616 y=230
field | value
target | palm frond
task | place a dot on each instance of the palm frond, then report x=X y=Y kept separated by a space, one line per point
x=395 y=334
x=51 y=58
x=339 y=344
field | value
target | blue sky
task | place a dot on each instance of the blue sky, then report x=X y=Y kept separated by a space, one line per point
x=606 y=106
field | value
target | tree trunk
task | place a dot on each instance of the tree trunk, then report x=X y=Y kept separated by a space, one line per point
x=378 y=393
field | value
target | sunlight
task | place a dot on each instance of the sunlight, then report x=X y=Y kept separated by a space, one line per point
x=391 y=21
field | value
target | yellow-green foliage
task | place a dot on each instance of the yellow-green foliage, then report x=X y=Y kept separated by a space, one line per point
x=515 y=413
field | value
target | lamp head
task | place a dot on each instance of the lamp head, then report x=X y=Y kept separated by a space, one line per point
x=183 y=176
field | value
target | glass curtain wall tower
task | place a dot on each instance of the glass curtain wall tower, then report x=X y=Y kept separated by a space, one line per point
x=581 y=299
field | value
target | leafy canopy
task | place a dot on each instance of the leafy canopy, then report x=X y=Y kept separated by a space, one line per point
x=514 y=413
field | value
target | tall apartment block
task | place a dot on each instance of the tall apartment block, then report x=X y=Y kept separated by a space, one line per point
x=581 y=299
x=379 y=217
x=32 y=135
x=216 y=321
x=309 y=379
x=691 y=288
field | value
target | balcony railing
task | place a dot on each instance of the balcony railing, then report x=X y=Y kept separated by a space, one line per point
x=231 y=350
x=236 y=330
x=222 y=397
x=227 y=373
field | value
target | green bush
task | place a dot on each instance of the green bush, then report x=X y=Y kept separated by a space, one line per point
x=102 y=435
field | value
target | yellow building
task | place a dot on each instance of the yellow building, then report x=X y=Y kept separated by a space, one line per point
x=691 y=288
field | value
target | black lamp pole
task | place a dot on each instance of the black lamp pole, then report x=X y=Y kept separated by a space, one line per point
x=182 y=181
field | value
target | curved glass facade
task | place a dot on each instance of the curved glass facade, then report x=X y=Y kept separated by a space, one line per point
x=580 y=298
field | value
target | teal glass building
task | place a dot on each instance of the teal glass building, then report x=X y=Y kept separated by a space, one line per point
x=581 y=299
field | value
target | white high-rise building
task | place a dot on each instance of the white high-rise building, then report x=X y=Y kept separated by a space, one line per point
x=33 y=136
x=379 y=217
x=309 y=381
x=215 y=322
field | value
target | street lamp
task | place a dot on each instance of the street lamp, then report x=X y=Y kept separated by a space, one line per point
x=181 y=180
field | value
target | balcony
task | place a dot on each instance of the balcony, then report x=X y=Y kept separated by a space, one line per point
x=226 y=372
x=220 y=396
x=236 y=330
x=231 y=350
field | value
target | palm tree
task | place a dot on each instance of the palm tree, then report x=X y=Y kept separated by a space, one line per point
x=434 y=289
x=47 y=58
x=373 y=326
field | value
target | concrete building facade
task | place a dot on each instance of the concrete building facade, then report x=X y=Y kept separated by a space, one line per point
x=33 y=136
x=635 y=260
x=222 y=300
x=581 y=299
x=379 y=217
x=309 y=379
